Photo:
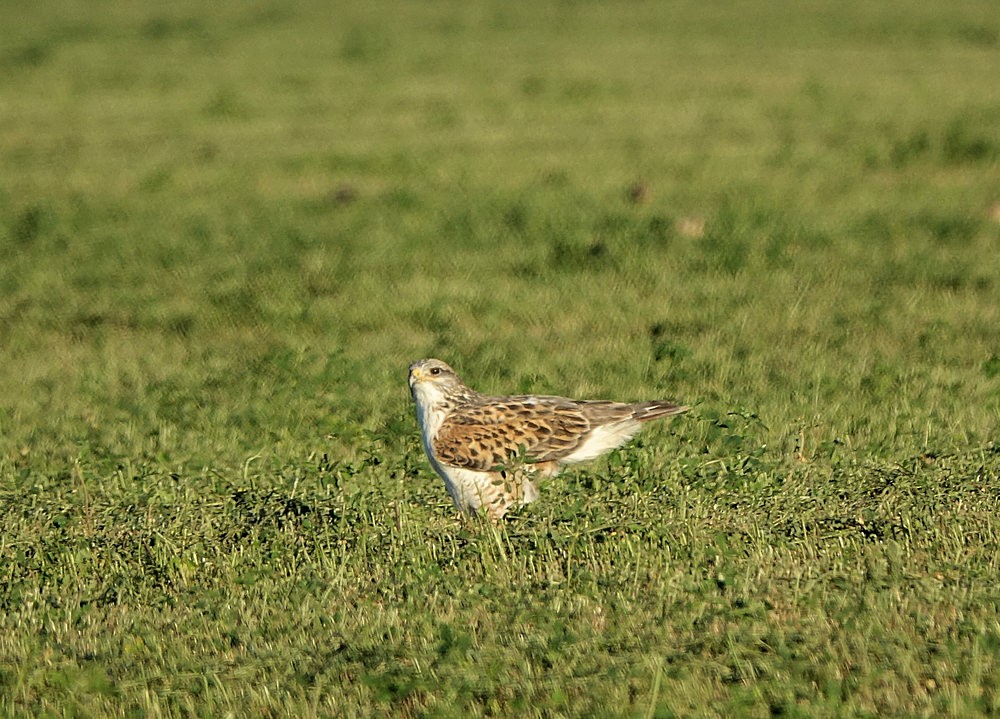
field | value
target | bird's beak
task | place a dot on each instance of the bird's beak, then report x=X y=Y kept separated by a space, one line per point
x=415 y=375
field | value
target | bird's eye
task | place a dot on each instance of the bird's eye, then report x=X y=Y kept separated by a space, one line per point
x=435 y=370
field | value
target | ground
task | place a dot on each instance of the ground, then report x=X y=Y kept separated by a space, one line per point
x=228 y=230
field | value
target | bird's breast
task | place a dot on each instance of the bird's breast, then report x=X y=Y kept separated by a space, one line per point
x=429 y=417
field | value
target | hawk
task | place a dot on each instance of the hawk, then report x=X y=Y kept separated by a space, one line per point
x=488 y=450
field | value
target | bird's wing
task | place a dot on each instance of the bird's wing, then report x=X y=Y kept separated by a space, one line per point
x=489 y=434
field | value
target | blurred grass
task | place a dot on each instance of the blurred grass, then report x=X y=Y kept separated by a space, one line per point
x=227 y=230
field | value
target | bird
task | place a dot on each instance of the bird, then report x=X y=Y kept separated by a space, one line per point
x=490 y=449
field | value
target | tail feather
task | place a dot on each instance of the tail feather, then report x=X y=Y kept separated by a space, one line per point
x=645 y=411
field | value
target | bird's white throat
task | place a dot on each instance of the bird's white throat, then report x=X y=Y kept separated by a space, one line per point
x=431 y=409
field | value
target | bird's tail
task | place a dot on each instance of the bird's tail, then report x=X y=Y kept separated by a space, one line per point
x=645 y=411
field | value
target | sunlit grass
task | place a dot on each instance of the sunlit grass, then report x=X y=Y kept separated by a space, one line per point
x=227 y=231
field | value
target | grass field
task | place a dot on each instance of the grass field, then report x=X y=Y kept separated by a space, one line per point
x=226 y=230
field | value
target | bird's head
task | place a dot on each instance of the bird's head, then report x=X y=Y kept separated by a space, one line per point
x=433 y=381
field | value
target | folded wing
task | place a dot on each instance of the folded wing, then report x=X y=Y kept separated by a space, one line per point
x=494 y=432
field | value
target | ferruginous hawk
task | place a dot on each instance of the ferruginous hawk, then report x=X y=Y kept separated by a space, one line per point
x=489 y=449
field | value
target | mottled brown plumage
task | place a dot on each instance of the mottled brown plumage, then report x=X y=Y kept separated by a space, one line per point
x=488 y=449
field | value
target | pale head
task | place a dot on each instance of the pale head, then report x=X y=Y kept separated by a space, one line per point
x=433 y=381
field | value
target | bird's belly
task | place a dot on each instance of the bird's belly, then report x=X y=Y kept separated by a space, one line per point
x=466 y=487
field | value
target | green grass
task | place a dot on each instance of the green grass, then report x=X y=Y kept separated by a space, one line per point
x=226 y=231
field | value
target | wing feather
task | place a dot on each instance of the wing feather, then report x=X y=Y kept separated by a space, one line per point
x=495 y=430
x=490 y=433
